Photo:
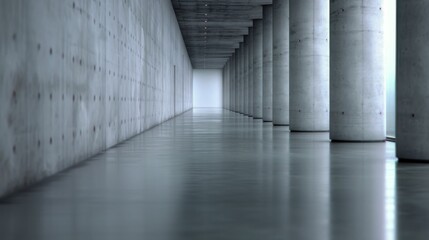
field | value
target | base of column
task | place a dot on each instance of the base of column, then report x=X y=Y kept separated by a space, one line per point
x=257 y=118
x=309 y=131
x=268 y=121
x=415 y=161
x=358 y=141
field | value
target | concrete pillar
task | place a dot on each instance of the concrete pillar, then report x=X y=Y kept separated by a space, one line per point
x=224 y=84
x=257 y=69
x=237 y=79
x=268 y=63
x=231 y=85
x=281 y=62
x=241 y=79
x=236 y=82
x=246 y=75
x=357 y=74
x=224 y=69
x=228 y=80
x=412 y=85
x=309 y=65
x=250 y=75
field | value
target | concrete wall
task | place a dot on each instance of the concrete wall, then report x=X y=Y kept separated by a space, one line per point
x=79 y=76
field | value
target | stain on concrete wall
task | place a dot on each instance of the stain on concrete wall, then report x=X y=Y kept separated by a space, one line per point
x=79 y=76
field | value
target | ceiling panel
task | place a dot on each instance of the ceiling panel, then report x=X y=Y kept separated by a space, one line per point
x=213 y=29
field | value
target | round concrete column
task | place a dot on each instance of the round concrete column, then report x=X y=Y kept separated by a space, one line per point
x=281 y=62
x=357 y=74
x=250 y=75
x=240 y=79
x=246 y=75
x=257 y=69
x=234 y=84
x=268 y=63
x=242 y=90
x=228 y=88
x=237 y=80
x=224 y=85
x=309 y=65
x=231 y=86
x=412 y=85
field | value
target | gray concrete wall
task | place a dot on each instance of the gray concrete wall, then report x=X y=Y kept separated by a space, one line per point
x=357 y=88
x=309 y=65
x=281 y=62
x=267 y=65
x=412 y=85
x=78 y=77
x=257 y=69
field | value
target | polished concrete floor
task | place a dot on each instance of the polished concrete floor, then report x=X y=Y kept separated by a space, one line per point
x=214 y=175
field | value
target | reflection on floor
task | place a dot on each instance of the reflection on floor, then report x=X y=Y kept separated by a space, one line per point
x=214 y=174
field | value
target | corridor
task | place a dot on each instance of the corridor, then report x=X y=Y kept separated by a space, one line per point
x=212 y=174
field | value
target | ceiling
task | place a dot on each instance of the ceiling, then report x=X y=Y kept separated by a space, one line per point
x=213 y=29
